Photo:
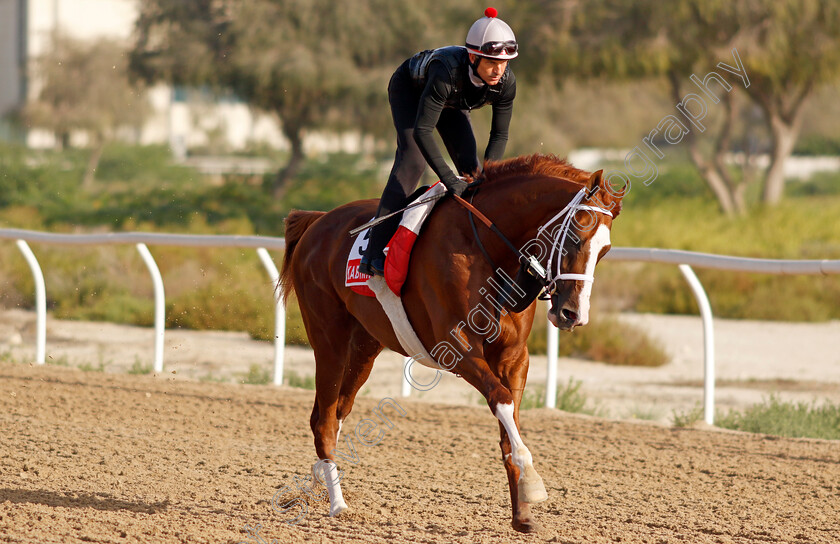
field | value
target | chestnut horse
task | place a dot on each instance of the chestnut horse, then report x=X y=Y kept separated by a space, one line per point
x=450 y=268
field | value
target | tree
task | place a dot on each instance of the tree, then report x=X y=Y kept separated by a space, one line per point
x=84 y=86
x=788 y=47
x=314 y=63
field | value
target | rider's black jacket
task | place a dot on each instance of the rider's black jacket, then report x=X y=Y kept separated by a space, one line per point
x=443 y=76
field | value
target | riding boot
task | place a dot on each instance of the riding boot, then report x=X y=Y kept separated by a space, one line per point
x=373 y=261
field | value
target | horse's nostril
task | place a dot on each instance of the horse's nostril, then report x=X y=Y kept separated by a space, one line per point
x=569 y=315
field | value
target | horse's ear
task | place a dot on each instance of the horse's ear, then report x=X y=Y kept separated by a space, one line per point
x=594 y=180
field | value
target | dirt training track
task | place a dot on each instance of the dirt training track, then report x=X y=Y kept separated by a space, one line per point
x=92 y=457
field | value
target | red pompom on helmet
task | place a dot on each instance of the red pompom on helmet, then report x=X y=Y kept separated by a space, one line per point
x=491 y=37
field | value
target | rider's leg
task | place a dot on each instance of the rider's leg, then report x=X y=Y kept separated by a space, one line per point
x=406 y=172
x=455 y=129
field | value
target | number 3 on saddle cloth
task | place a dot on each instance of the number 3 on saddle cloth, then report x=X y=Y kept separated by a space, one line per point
x=398 y=250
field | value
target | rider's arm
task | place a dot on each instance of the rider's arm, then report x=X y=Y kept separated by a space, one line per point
x=502 y=111
x=438 y=88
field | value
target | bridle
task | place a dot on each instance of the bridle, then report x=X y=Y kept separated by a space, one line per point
x=555 y=256
x=530 y=263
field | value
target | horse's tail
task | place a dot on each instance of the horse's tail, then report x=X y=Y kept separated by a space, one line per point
x=296 y=224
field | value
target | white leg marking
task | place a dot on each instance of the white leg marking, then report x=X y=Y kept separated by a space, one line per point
x=327 y=473
x=531 y=487
x=338 y=432
x=599 y=240
x=520 y=454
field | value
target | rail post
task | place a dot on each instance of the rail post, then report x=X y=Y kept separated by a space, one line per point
x=708 y=342
x=40 y=302
x=552 y=347
x=160 y=304
x=279 y=316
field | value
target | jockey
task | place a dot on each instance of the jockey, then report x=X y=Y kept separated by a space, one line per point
x=437 y=89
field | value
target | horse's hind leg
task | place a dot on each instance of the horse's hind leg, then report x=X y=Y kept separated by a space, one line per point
x=344 y=357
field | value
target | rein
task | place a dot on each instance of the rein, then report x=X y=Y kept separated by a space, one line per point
x=531 y=264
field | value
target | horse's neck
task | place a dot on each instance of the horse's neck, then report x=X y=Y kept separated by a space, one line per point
x=523 y=206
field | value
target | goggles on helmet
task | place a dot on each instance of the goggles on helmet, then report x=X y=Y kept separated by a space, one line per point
x=499 y=48
x=496 y=48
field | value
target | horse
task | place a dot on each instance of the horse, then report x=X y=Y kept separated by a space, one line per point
x=451 y=264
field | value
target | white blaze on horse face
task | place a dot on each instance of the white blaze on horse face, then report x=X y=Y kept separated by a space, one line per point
x=599 y=241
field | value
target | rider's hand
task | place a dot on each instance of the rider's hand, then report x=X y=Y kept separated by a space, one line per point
x=456 y=186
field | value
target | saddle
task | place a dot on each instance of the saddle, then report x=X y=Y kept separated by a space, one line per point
x=398 y=250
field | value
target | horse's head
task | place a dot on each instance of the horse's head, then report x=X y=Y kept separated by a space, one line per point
x=584 y=238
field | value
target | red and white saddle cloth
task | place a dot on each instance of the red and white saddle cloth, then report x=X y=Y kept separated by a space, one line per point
x=398 y=250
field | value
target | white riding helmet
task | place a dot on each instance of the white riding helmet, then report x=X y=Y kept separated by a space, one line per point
x=492 y=37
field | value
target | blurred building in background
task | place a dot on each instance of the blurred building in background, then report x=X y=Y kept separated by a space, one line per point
x=185 y=119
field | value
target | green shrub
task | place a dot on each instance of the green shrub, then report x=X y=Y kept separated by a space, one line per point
x=820 y=184
x=138 y=368
x=796 y=420
x=817 y=145
x=257 y=375
x=569 y=399
x=142 y=167
x=58 y=361
x=674 y=180
x=292 y=379
x=604 y=339
x=689 y=417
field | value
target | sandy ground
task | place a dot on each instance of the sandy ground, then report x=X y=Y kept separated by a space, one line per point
x=797 y=362
x=111 y=457
x=115 y=458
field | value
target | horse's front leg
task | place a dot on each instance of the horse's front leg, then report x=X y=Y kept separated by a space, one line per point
x=522 y=520
x=503 y=396
x=530 y=486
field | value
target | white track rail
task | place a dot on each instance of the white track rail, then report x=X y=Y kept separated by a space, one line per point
x=140 y=239
x=684 y=259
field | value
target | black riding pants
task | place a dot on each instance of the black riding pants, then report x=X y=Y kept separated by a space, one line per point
x=455 y=130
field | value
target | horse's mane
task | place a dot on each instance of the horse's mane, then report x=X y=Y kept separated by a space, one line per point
x=547 y=165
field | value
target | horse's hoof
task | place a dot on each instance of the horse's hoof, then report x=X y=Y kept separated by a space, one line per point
x=531 y=487
x=338 y=509
x=526 y=525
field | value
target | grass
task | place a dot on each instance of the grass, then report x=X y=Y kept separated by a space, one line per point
x=605 y=339
x=292 y=379
x=256 y=375
x=8 y=357
x=642 y=413
x=781 y=418
x=569 y=399
x=687 y=418
x=210 y=378
x=774 y=416
x=88 y=367
x=138 y=368
x=60 y=361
